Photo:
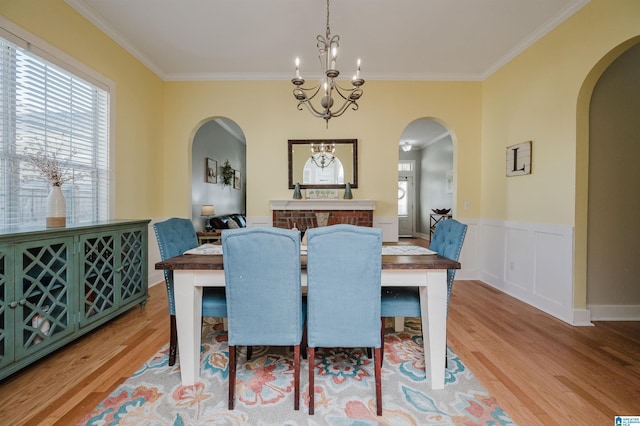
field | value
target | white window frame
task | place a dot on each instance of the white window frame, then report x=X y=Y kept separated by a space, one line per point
x=22 y=38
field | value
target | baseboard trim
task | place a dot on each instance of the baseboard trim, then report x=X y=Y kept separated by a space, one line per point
x=614 y=312
x=582 y=318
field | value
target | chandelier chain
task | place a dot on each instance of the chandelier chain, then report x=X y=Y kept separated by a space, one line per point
x=328 y=29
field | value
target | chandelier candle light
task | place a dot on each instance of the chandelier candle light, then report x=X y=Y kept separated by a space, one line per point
x=327 y=86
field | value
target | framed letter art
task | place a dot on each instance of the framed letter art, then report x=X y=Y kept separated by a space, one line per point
x=519 y=159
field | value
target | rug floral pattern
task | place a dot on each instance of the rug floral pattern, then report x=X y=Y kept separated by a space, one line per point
x=344 y=386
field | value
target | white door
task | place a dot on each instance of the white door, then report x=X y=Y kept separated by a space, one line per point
x=406 y=195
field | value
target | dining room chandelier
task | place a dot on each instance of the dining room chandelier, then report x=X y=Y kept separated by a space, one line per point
x=327 y=87
x=322 y=155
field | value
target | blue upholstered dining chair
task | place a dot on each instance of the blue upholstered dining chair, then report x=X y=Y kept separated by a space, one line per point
x=264 y=293
x=344 y=265
x=405 y=301
x=175 y=236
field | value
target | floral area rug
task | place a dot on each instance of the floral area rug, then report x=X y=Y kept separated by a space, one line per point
x=344 y=381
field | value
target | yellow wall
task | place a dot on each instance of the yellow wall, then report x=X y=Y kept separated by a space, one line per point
x=534 y=97
x=139 y=99
x=543 y=96
x=266 y=112
x=156 y=122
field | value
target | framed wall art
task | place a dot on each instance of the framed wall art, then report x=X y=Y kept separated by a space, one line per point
x=519 y=159
x=237 y=184
x=211 y=168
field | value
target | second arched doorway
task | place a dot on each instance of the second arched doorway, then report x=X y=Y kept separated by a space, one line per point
x=218 y=142
x=425 y=176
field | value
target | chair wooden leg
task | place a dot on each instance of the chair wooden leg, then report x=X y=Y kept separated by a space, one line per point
x=311 y=377
x=296 y=377
x=303 y=345
x=232 y=376
x=378 y=372
x=382 y=341
x=173 y=340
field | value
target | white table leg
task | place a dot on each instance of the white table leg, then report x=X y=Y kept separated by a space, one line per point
x=433 y=305
x=399 y=324
x=188 y=299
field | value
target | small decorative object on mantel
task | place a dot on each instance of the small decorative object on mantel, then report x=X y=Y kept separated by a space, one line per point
x=519 y=159
x=297 y=195
x=347 y=192
x=227 y=173
x=322 y=194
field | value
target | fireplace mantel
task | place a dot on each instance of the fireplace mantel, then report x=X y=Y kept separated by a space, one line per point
x=322 y=204
x=303 y=214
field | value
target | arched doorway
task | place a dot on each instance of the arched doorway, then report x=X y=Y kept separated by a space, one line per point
x=425 y=176
x=217 y=141
x=613 y=179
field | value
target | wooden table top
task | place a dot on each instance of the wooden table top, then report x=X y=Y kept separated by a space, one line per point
x=214 y=262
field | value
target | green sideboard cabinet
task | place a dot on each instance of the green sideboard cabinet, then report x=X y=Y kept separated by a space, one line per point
x=57 y=284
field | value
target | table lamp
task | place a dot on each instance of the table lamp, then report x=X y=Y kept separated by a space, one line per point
x=207 y=211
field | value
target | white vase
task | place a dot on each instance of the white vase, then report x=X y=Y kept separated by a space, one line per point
x=56 y=208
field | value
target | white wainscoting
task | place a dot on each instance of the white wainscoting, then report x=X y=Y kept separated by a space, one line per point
x=470 y=254
x=532 y=262
x=389 y=226
x=154 y=276
x=259 y=221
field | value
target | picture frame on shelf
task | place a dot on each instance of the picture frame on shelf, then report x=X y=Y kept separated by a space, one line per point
x=322 y=194
x=211 y=170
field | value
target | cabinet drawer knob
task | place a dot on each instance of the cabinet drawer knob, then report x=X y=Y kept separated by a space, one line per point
x=13 y=304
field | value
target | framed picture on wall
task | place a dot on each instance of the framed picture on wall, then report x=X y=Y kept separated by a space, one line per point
x=236 y=180
x=211 y=171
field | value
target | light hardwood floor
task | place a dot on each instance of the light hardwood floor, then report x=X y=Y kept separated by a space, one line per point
x=541 y=371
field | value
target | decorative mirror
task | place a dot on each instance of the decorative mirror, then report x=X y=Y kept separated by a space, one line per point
x=323 y=163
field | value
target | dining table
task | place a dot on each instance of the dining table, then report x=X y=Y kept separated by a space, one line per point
x=428 y=272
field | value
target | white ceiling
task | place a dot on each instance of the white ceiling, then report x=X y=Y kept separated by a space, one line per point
x=395 y=39
x=259 y=39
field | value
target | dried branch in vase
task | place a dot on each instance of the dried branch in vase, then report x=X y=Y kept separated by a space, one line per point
x=50 y=163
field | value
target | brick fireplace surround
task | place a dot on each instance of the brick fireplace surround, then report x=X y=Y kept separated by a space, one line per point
x=302 y=213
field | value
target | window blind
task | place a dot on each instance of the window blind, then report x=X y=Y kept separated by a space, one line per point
x=47 y=110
